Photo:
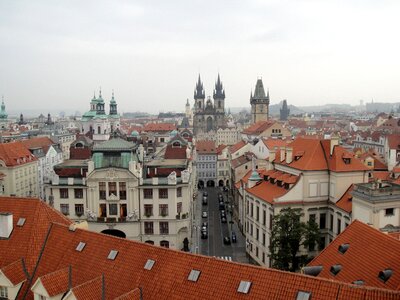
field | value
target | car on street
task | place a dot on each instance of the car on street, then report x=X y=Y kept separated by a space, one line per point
x=233 y=237
x=225 y=189
x=220 y=198
x=227 y=240
x=223 y=219
x=205 y=201
x=204 y=234
x=204 y=214
x=205 y=193
x=221 y=206
x=205 y=224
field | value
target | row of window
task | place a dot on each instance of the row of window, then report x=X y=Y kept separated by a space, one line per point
x=64 y=193
x=162 y=209
x=206 y=157
x=79 y=209
x=149 y=228
x=112 y=190
x=162 y=193
x=223 y=173
x=25 y=171
x=255 y=213
x=206 y=166
x=206 y=174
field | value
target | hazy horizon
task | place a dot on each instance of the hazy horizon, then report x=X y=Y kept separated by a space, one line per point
x=54 y=55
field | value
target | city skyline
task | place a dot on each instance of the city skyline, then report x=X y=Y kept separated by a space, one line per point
x=150 y=54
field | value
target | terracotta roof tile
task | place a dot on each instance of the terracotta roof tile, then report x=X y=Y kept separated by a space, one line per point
x=89 y=290
x=159 y=127
x=205 y=147
x=267 y=191
x=15 y=153
x=57 y=282
x=345 y=202
x=237 y=146
x=15 y=272
x=370 y=251
x=259 y=127
x=271 y=143
x=38 y=142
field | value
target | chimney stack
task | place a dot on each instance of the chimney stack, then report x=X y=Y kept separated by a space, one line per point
x=334 y=142
x=289 y=155
x=283 y=153
x=6 y=225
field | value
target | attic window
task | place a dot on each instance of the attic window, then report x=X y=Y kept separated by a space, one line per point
x=312 y=270
x=343 y=248
x=194 y=275
x=112 y=255
x=358 y=282
x=149 y=264
x=346 y=161
x=385 y=274
x=244 y=287
x=302 y=295
x=336 y=269
x=176 y=144
x=266 y=177
x=21 y=222
x=80 y=246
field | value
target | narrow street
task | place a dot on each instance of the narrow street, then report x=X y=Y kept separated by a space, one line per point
x=214 y=245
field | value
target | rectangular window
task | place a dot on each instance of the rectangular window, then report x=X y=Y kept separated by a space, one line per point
x=79 y=209
x=112 y=188
x=163 y=209
x=179 y=207
x=64 y=193
x=148 y=193
x=339 y=225
x=331 y=223
x=264 y=217
x=251 y=210
x=164 y=228
x=270 y=222
x=257 y=251
x=148 y=228
x=263 y=257
x=64 y=209
x=389 y=212
x=148 y=210
x=163 y=193
x=3 y=292
x=102 y=190
x=123 y=210
x=251 y=229
x=263 y=239
x=78 y=193
x=312 y=218
x=179 y=192
x=257 y=213
x=322 y=221
x=247 y=208
x=122 y=190
x=257 y=233
x=103 y=210
x=321 y=243
x=113 y=207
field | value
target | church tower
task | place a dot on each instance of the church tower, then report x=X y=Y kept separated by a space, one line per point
x=187 y=109
x=284 y=111
x=199 y=96
x=219 y=97
x=113 y=105
x=259 y=103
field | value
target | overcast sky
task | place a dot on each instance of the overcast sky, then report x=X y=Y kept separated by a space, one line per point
x=54 y=54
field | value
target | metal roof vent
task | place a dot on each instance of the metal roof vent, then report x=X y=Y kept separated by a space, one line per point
x=336 y=269
x=385 y=274
x=312 y=270
x=244 y=287
x=21 y=222
x=149 y=264
x=80 y=246
x=302 y=295
x=194 y=275
x=358 y=282
x=112 y=255
x=343 y=248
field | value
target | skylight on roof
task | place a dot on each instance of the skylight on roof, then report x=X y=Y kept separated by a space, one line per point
x=385 y=274
x=244 y=287
x=343 y=248
x=302 y=295
x=21 y=222
x=194 y=275
x=149 y=264
x=112 y=255
x=80 y=246
x=336 y=269
x=358 y=282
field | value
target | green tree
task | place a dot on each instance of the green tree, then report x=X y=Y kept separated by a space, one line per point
x=287 y=235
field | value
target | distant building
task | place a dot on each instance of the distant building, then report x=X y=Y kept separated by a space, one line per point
x=210 y=115
x=259 y=103
x=284 y=111
x=3 y=116
x=206 y=159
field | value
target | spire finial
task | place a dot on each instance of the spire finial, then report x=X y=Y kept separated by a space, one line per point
x=100 y=92
x=112 y=94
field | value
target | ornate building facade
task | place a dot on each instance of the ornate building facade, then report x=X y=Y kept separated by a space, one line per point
x=208 y=115
x=259 y=103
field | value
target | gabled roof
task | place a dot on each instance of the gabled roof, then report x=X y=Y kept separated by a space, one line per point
x=57 y=282
x=159 y=127
x=245 y=158
x=15 y=153
x=220 y=148
x=38 y=142
x=394 y=141
x=370 y=252
x=258 y=128
x=206 y=147
x=237 y=146
x=89 y=290
x=271 y=143
x=15 y=272
x=346 y=201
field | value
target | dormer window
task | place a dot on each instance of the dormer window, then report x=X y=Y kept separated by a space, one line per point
x=176 y=145
x=346 y=161
x=3 y=292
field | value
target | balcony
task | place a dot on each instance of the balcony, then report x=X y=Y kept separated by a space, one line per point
x=111 y=220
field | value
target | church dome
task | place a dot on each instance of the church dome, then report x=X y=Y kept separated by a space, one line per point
x=134 y=133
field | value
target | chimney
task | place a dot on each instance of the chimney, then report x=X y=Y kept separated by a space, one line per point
x=334 y=142
x=282 y=153
x=272 y=153
x=6 y=225
x=289 y=155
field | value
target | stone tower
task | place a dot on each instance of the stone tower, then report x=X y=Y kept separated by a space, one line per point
x=219 y=97
x=199 y=96
x=259 y=103
x=113 y=105
x=284 y=111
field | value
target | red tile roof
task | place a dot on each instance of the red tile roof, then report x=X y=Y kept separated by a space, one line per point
x=206 y=147
x=259 y=127
x=345 y=202
x=38 y=142
x=159 y=127
x=237 y=146
x=175 y=152
x=271 y=143
x=245 y=158
x=15 y=272
x=15 y=153
x=220 y=148
x=89 y=290
x=267 y=191
x=57 y=282
x=393 y=141
x=370 y=251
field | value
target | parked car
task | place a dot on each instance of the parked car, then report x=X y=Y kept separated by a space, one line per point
x=204 y=234
x=227 y=240
x=233 y=237
x=223 y=219
x=204 y=214
x=205 y=193
x=221 y=206
x=223 y=213
x=220 y=197
x=225 y=189
x=205 y=224
x=205 y=201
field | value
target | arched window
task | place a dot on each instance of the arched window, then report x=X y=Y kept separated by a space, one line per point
x=164 y=244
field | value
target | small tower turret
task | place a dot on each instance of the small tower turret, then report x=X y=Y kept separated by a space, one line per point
x=199 y=95
x=3 y=113
x=113 y=105
x=259 y=103
x=219 y=96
